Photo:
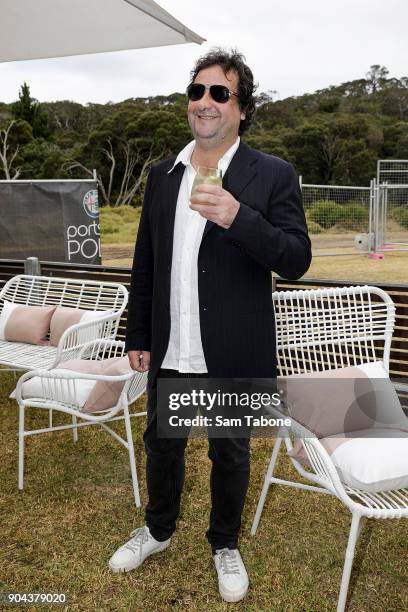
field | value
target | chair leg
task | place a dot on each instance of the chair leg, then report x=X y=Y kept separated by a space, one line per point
x=21 y=448
x=266 y=484
x=132 y=459
x=50 y=419
x=355 y=530
x=75 y=429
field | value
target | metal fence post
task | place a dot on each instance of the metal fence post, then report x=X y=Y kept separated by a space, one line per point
x=32 y=266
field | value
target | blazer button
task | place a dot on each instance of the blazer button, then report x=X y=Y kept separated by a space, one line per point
x=203 y=271
x=235 y=243
x=204 y=308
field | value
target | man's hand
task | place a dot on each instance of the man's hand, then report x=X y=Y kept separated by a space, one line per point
x=139 y=360
x=215 y=204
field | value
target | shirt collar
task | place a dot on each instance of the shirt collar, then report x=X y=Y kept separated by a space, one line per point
x=185 y=155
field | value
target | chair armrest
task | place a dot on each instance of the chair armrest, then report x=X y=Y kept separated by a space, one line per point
x=320 y=460
x=104 y=348
x=59 y=391
x=77 y=336
x=137 y=386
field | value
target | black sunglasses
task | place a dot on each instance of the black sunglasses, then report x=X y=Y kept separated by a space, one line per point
x=219 y=93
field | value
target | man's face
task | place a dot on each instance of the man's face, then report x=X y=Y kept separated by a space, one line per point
x=212 y=121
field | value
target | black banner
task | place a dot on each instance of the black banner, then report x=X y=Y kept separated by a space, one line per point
x=51 y=220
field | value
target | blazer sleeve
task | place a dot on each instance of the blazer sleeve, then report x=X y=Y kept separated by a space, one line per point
x=279 y=241
x=138 y=329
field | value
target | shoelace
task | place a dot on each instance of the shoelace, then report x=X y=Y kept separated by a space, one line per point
x=140 y=536
x=228 y=561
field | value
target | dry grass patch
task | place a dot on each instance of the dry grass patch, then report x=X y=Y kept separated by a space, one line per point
x=392 y=269
x=77 y=508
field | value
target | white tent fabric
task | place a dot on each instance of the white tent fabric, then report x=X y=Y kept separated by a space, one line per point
x=34 y=29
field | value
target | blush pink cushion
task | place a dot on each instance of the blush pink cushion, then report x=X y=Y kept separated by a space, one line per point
x=105 y=394
x=61 y=320
x=28 y=324
x=342 y=400
x=356 y=414
x=84 y=366
x=64 y=317
x=91 y=395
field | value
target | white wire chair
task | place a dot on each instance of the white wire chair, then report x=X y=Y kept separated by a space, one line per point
x=324 y=329
x=89 y=295
x=59 y=393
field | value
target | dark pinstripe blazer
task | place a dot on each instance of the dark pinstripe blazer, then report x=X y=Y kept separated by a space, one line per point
x=268 y=234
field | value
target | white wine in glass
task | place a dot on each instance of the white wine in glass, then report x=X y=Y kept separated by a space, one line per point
x=207 y=176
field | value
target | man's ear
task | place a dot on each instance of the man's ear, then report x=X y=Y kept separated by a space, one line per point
x=243 y=116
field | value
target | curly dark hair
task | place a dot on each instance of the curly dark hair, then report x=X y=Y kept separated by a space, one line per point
x=232 y=60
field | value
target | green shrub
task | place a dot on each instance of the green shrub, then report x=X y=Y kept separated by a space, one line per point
x=400 y=215
x=118 y=225
x=354 y=216
x=108 y=229
x=313 y=227
x=326 y=213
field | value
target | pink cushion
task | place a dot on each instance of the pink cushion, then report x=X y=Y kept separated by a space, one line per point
x=342 y=400
x=91 y=395
x=28 y=324
x=106 y=394
x=84 y=366
x=64 y=317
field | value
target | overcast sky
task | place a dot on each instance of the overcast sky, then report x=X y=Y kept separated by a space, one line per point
x=292 y=46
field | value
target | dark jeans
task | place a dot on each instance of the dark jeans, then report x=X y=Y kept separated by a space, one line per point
x=165 y=479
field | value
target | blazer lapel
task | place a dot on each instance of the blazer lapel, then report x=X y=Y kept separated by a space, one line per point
x=240 y=173
x=169 y=209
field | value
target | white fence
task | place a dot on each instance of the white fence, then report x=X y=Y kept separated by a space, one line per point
x=343 y=220
x=392 y=171
x=339 y=218
x=390 y=216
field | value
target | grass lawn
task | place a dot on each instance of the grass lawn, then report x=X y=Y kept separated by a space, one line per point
x=119 y=224
x=77 y=508
x=392 y=269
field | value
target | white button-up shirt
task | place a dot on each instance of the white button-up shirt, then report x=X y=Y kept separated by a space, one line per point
x=185 y=349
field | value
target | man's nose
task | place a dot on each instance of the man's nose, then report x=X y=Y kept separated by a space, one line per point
x=206 y=100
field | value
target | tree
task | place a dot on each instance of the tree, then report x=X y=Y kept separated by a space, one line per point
x=376 y=77
x=8 y=154
x=29 y=109
x=127 y=166
x=265 y=97
x=394 y=98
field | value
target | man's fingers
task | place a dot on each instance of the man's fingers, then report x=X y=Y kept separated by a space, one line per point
x=203 y=208
x=134 y=359
x=207 y=212
x=139 y=360
x=204 y=198
x=145 y=361
x=211 y=189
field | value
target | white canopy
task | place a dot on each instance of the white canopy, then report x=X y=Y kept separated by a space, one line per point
x=34 y=29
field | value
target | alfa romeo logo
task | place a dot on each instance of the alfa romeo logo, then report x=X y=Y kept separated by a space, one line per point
x=91 y=204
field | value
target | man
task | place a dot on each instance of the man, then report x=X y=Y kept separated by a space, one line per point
x=200 y=300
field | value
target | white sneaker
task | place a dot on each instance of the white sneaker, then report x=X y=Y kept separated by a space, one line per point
x=232 y=576
x=136 y=550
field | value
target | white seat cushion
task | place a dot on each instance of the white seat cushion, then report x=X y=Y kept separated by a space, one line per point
x=370 y=463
